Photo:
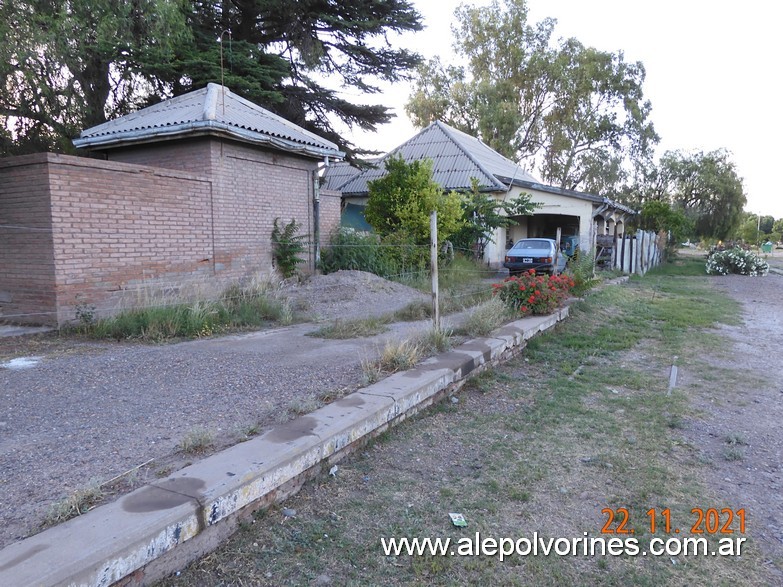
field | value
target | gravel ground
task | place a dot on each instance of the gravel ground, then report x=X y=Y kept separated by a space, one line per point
x=326 y=297
x=88 y=412
x=750 y=413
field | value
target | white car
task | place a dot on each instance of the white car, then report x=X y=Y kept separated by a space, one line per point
x=535 y=253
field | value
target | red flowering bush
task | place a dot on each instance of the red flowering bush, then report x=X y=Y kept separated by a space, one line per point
x=534 y=294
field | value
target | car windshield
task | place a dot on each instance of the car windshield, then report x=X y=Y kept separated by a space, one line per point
x=532 y=244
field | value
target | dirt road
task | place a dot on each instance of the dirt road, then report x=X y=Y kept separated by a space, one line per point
x=741 y=432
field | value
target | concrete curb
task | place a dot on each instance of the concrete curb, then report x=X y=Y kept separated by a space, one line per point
x=159 y=528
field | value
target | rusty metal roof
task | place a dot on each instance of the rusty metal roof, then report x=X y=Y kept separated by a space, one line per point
x=456 y=157
x=210 y=110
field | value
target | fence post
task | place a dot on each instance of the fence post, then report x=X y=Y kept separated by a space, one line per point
x=622 y=254
x=642 y=268
x=434 y=269
x=651 y=252
x=615 y=263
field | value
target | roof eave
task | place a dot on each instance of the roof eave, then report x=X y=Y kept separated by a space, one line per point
x=205 y=127
x=464 y=189
x=559 y=191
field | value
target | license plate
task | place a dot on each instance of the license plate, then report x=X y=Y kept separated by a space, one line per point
x=527 y=259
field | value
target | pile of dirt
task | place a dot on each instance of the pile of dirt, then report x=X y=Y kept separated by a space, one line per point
x=350 y=294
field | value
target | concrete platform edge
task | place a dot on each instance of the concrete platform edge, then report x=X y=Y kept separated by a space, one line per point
x=159 y=528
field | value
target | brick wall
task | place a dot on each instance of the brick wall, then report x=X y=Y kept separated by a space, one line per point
x=173 y=220
x=193 y=155
x=27 y=286
x=252 y=188
x=127 y=235
x=330 y=214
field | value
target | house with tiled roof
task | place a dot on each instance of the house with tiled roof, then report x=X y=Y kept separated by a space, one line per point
x=457 y=159
x=176 y=199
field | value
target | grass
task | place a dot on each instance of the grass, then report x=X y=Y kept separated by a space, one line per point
x=399 y=355
x=79 y=502
x=682 y=267
x=414 y=312
x=433 y=340
x=462 y=283
x=402 y=354
x=254 y=304
x=301 y=407
x=396 y=355
x=197 y=441
x=579 y=423
x=486 y=317
x=258 y=303
x=357 y=328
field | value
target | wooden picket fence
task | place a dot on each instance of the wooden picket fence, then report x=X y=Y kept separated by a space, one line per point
x=631 y=253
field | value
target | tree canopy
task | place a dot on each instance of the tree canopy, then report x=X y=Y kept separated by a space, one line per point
x=288 y=56
x=576 y=113
x=70 y=64
x=705 y=187
x=401 y=202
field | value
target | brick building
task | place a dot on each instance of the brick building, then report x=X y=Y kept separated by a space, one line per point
x=176 y=198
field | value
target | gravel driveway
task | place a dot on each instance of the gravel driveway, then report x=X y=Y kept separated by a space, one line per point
x=91 y=412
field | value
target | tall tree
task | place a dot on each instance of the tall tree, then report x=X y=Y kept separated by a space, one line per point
x=70 y=64
x=576 y=113
x=505 y=89
x=290 y=55
x=598 y=119
x=703 y=186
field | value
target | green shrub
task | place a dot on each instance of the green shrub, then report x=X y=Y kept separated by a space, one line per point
x=407 y=258
x=582 y=269
x=402 y=200
x=287 y=245
x=534 y=294
x=350 y=249
x=395 y=256
x=736 y=261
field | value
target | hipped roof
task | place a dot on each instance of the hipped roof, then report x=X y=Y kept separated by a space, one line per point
x=456 y=157
x=213 y=110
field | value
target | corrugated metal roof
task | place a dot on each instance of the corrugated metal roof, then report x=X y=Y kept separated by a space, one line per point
x=456 y=157
x=213 y=110
x=338 y=174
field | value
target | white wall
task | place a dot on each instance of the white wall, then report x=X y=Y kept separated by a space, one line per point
x=551 y=204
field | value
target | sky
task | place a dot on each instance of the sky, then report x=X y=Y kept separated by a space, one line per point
x=713 y=74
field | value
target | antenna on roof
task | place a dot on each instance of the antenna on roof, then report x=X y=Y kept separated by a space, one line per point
x=222 y=85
